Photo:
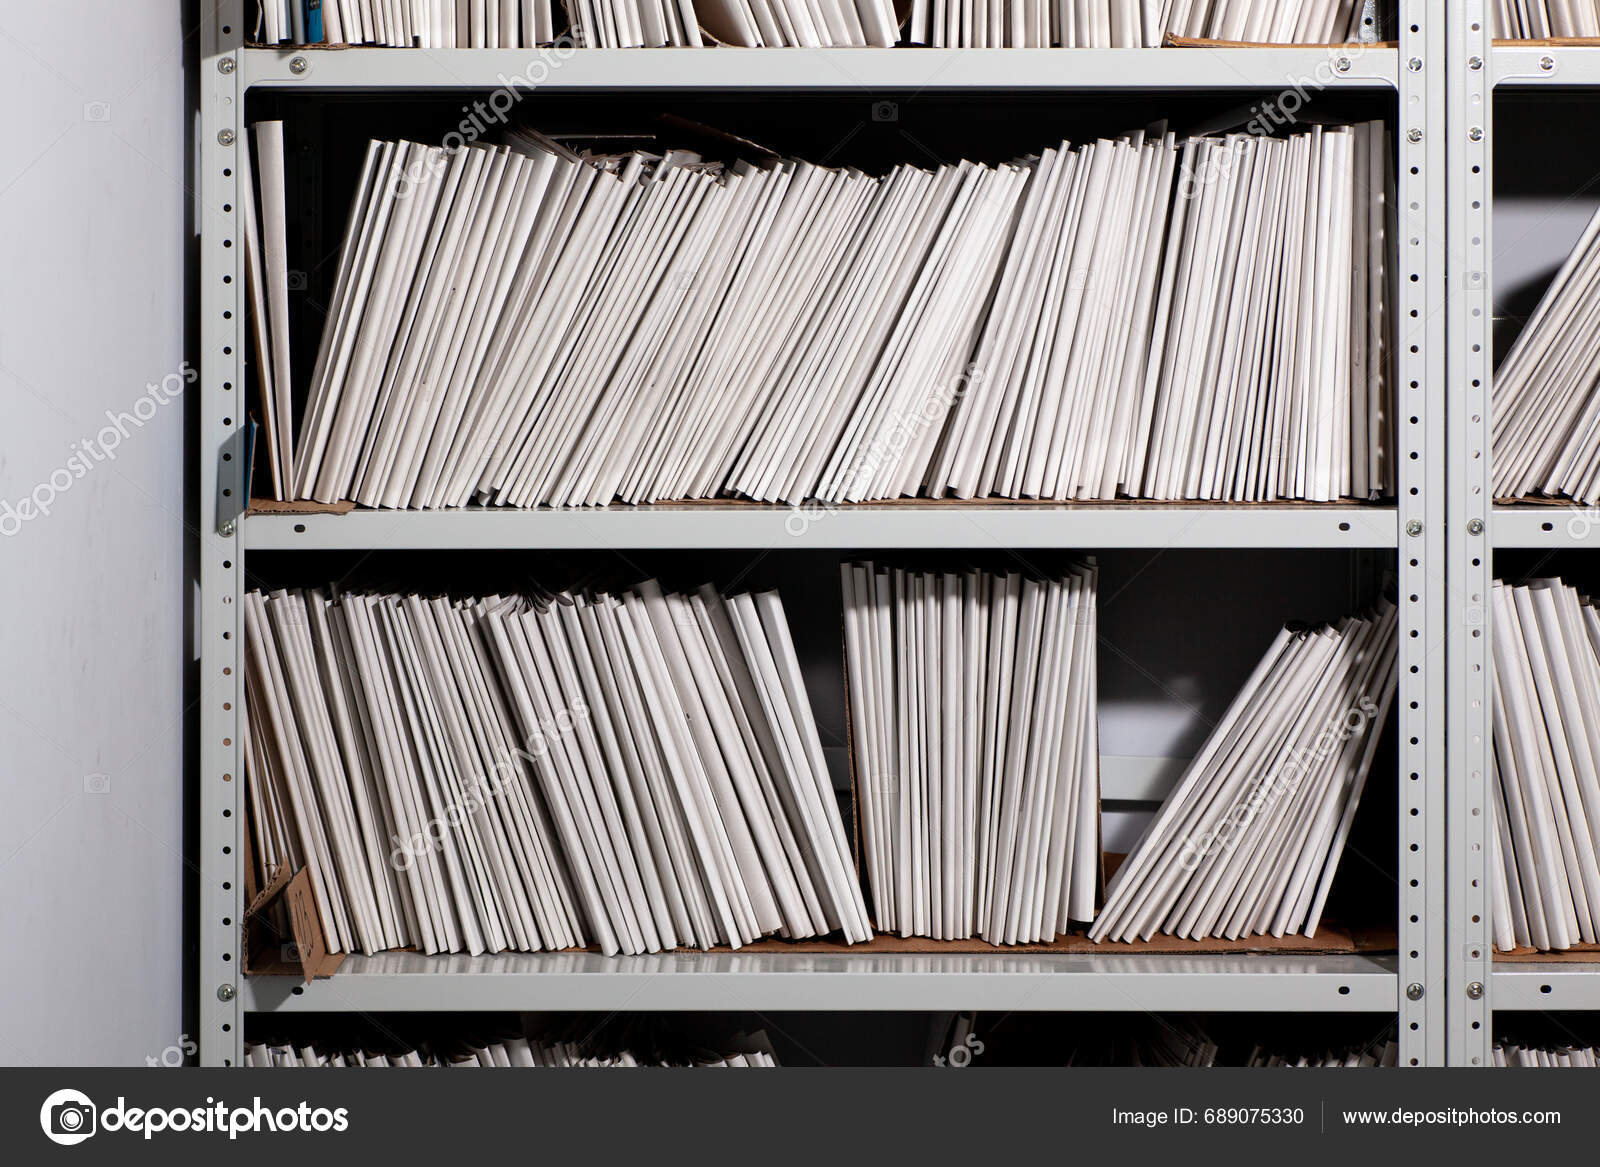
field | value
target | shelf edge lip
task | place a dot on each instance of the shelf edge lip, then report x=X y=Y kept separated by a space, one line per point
x=1574 y=526
x=1520 y=66
x=1369 y=985
x=1288 y=68
x=858 y=526
x=1519 y=987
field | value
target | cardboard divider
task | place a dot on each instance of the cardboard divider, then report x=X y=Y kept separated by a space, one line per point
x=1577 y=954
x=1196 y=42
x=269 y=506
x=1331 y=939
x=266 y=949
x=1552 y=42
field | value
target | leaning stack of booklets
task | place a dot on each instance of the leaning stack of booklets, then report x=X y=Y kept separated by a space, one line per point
x=972 y=707
x=421 y=24
x=1131 y=24
x=1546 y=403
x=524 y=325
x=641 y=771
x=1386 y=1054
x=744 y=1051
x=1545 y=878
x=1543 y=19
x=1545 y=1057
x=1248 y=841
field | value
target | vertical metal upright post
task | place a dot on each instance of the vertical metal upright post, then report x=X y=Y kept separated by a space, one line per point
x=1419 y=427
x=1470 y=565
x=222 y=497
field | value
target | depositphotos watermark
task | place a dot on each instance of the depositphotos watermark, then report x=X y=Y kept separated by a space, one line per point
x=1276 y=113
x=478 y=793
x=90 y=452
x=905 y=427
x=174 y=1056
x=1222 y=837
x=485 y=113
x=68 y=1117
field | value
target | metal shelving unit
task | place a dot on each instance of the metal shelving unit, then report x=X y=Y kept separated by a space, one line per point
x=1410 y=985
x=1479 y=986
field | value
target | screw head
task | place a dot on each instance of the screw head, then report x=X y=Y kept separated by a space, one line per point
x=1474 y=63
x=225 y=65
x=1475 y=527
x=224 y=992
x=298 y=65
x=1414 y=992
x=1548 y=64
x=1342 y=65
x=1414 y=135
x=225 y=137
x=226 y=529
x=1414 y=64
x=1475 y=991
x=1414 y=528
x=1476 y=133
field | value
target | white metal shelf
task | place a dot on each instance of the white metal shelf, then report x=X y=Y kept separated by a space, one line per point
x=409 y=982
x=1545 y=987
x=1349 y=67
x=1546 y=66
x=1546 y=526
x=862 y=526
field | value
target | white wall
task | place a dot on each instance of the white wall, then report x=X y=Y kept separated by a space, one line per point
x=92 y=636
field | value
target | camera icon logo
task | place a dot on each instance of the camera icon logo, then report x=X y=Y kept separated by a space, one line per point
x=68 y=1117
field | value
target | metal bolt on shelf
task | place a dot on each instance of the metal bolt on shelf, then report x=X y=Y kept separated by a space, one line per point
x=224 y=992
x=226 y=65
x=1414 y=528
x=1342 y=65
x=1475 y=991
x=298 y=66
x=1414 y=135
x=1414 y=992
x=1414 y=64
x=1474 y=63
x=225 y=137
x=1475 y=527
x=1548 y=64
x=1476 y=133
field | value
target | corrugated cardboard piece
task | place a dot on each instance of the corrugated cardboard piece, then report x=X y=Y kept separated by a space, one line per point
x=1577 y=954
x=267 y=952
x=267 y=506
x=1195 y=42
